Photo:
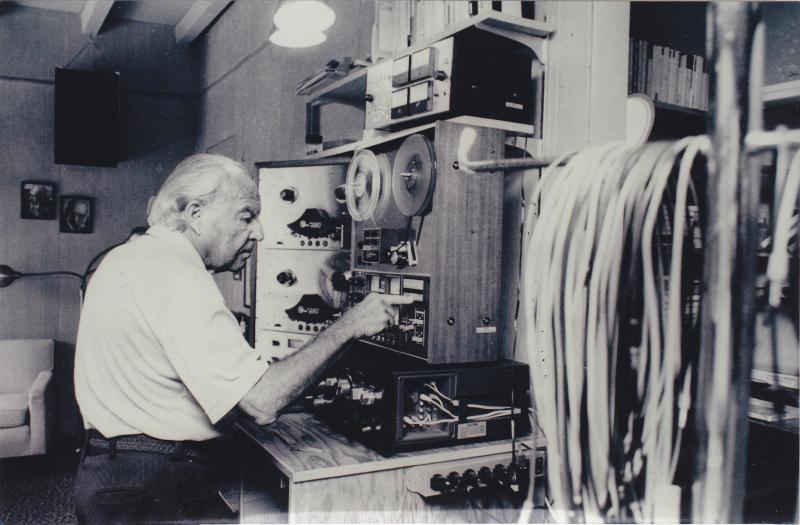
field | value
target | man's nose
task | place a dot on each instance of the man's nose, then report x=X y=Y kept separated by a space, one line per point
x=257 y=230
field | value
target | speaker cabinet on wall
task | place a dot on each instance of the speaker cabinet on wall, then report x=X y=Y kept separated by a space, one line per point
x=86 y=117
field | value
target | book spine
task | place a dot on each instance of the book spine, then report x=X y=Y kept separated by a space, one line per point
x=631 y=60
x=652 y=83
x=644 y=66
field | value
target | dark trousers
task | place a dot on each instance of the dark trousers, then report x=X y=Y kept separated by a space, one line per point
x=147 y=487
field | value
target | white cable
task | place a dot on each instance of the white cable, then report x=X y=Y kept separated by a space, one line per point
x=778 y=264
x=437 y=402
x=438 y=392
x=487 y=407
x=596 y=222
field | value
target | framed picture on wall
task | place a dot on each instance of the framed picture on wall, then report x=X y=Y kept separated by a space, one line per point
x=38 y=200
x=77 y=214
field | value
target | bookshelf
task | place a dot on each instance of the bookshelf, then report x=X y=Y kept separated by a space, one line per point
x=666 y=62
x=782 y=104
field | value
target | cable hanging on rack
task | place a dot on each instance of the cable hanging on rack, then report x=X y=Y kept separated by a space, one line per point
x=612 y=370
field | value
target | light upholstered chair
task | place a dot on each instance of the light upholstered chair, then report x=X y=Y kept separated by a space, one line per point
x=26 y=367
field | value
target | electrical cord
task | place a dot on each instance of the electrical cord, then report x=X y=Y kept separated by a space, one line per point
x=778 y=264
x=613 y=215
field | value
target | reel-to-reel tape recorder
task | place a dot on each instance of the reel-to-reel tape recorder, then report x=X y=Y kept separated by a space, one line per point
x=422 y=227
x=397 y=218
x=302 y=262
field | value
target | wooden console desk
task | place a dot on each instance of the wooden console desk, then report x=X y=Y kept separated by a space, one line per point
x=332 y=479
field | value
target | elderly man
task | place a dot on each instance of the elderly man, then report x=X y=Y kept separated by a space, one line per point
x=161 y=360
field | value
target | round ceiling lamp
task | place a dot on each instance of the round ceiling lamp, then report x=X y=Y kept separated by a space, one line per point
x=309 y=16
x=284 y=38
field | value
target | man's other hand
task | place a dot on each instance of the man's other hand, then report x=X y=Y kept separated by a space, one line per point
x=372 y=315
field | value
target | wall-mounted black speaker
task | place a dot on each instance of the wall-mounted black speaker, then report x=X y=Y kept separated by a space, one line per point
x=87 y=117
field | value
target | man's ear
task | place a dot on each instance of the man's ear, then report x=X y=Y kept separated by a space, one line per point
x=193 y=214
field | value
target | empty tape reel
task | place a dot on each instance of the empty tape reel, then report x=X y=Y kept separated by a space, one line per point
x=414 y=175
x=367 y=188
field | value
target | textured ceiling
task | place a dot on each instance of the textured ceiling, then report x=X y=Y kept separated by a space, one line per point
x=167 y=12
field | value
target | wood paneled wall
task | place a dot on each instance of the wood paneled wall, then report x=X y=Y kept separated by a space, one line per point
x=158 y=123
x=249 y=89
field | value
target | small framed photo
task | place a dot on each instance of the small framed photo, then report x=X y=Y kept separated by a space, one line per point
x=77 y=214
x=38 y=200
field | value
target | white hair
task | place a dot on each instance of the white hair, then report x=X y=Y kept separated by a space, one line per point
x=198 y=178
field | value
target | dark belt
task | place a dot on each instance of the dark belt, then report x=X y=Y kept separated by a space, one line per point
x=97 y=444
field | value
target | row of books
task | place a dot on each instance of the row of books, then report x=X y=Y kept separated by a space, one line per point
x=667 y=75
x=399 y=24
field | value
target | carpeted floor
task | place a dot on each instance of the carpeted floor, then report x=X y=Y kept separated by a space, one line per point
x=38 y=489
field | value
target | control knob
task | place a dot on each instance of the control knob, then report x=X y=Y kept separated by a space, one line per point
x=485 y=475
x=469 y=481
x=286 y=278
x=288 y=194
x=398 y=258
x=439 y=483
x=454 y=479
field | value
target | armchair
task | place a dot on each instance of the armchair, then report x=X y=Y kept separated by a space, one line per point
x=26 y=369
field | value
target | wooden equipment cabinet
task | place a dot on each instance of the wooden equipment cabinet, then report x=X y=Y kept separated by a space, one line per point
x=312 y=475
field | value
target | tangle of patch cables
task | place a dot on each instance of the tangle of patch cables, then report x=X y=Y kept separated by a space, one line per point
x=610 y=289
x=436 y=398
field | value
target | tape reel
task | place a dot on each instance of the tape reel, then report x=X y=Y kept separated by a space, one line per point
x=414 y=175
x=368 y=185
x=336 y=263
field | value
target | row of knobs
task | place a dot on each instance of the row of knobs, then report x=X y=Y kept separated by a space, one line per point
x=290 y=194
x=470 y=480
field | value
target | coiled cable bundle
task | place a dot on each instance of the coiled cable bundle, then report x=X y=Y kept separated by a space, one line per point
x=610 y=288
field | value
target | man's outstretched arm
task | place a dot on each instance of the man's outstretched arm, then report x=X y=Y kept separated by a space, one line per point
x=286 y=379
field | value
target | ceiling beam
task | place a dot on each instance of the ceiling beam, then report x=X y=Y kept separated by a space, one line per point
x=93 y=15
x=197 y=19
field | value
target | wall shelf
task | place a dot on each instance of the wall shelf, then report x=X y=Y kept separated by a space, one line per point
x=511 y=127
x=673 y=121
x=348 y=90
x=351 y=89
x=782 y=92
x=666 y=106
x=372 y=141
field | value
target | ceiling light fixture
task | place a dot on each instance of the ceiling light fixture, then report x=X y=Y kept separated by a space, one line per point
x=300 y=23
x=289 y=39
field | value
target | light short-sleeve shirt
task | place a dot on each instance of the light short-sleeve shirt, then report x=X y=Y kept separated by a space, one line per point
x=158 y=351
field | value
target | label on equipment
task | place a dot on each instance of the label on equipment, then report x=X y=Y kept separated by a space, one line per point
x=485 y=329
x=514 y=105
x=471 y=430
